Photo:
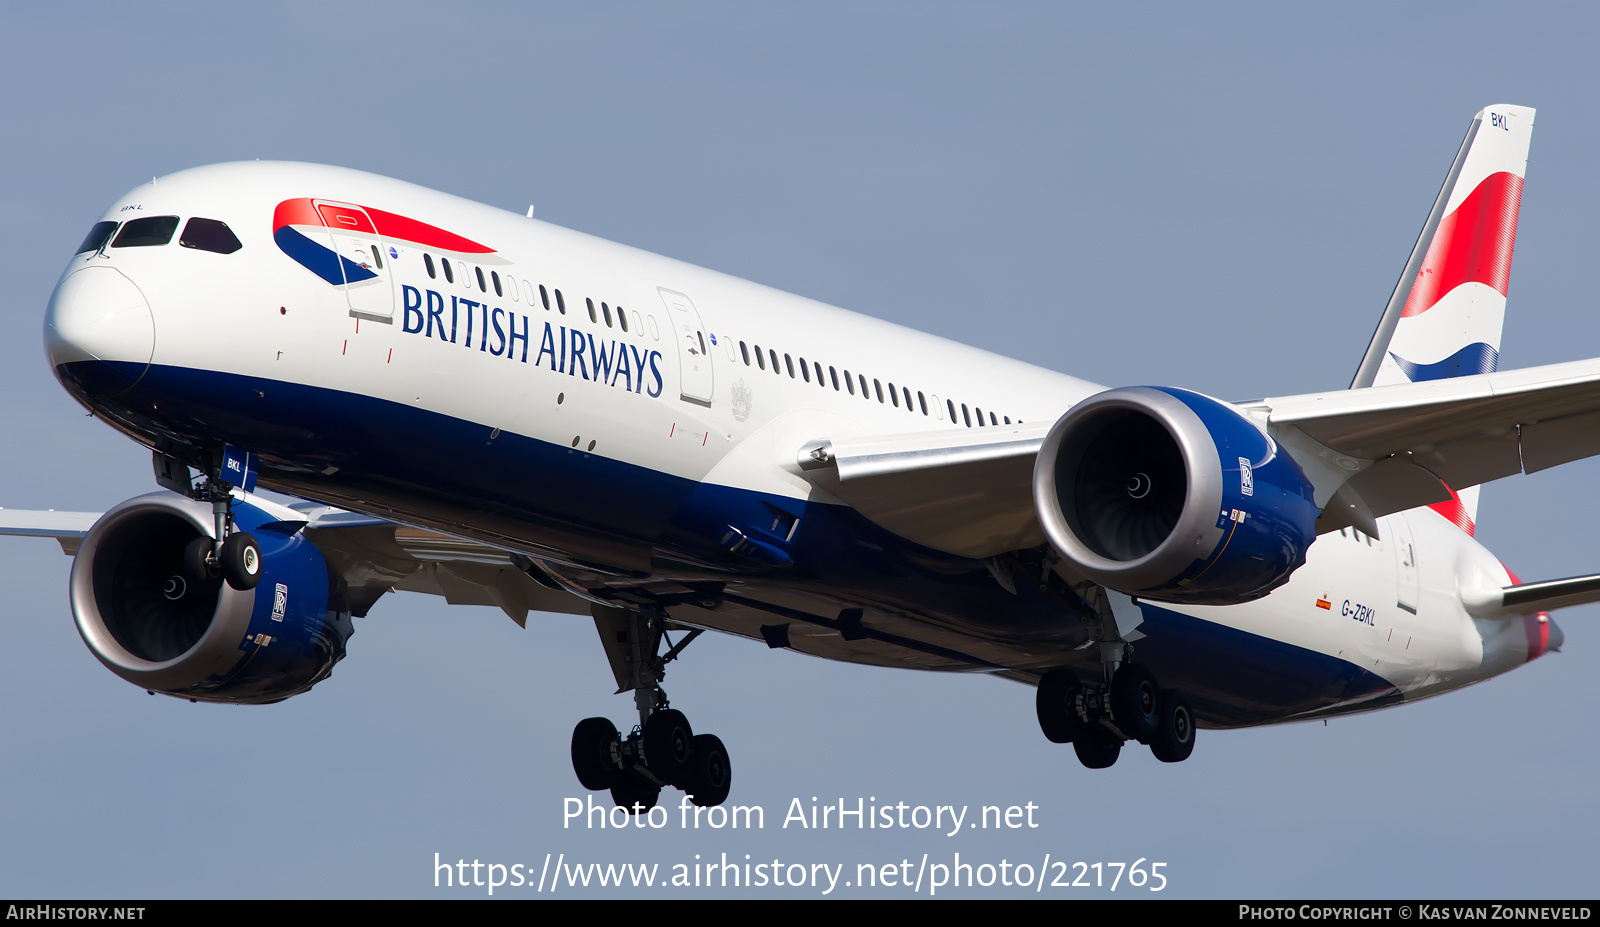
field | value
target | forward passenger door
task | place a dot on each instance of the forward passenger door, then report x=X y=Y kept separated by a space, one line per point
x=364 y=260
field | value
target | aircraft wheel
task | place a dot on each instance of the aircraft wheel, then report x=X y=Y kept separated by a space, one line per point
x=1097 y=748
x=669 y=746
x=1135 y=702
x=241 y=560
x=591 y=753
x=1055 y=703
x=1174 y=737
x=197 y=561
x=713 y=775
x=634 y=792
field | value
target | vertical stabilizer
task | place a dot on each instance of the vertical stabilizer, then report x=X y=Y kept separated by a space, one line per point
x=1446 y=313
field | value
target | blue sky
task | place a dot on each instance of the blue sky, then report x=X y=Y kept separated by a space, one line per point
x=1216 y=198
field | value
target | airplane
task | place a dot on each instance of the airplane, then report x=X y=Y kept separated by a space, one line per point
x=448 y=398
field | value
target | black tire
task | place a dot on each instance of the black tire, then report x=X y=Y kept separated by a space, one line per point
x=1174 y=737
x=591 y=753
x=713 y=774
x=634 y=792
x=669 y=747
x=241 y=560
x=197 y=561
x=1055 y=702
x=1097 y=748
x=1135 y=702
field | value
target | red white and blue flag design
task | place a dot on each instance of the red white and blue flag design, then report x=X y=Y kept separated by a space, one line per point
x=302 y=227
x=1455 y=299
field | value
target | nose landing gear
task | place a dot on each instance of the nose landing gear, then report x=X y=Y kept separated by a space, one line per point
x=662 y=750
x=230 y=553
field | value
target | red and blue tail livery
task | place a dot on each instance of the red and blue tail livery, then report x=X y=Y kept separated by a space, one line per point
x=1446 y=315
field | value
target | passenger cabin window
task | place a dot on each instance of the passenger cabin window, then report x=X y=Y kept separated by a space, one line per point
x=544 y=297
x=817 y=365
x=376 y=257
x=592 y=316
x=879 y=388
x=746 y=352
x=496 y=278
x=774 y=355
x=561 y=304
x=921 y=401
x=607 y=311
x=444 y=264
x=789 y=362
x=147 y=232
x=97 y=237
x=761 y=360
x=849 y=383
x=482 y=286
x=622 y=318
x=427 y=261
x=834 y=376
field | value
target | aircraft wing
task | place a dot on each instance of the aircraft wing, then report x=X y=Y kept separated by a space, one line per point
x=1463 y=430
x=68 y=528
x=373 y=555
x=972 y=496
x=1368 y=452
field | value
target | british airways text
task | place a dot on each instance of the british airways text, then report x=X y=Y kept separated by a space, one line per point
x=569 y=351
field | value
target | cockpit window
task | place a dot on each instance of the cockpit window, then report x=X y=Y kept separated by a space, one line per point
x=146 y=232
x=209 y=235
x=96 y=239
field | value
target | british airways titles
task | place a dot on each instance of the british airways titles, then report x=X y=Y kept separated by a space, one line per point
x=569 y=351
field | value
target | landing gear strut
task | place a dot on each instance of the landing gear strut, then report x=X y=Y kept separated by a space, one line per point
x=1130 y=705
x=230 y=553
x=662 y=750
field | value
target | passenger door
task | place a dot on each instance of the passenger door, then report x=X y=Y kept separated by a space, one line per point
x=694 y=355
x=363 y=260
x=1405 y=562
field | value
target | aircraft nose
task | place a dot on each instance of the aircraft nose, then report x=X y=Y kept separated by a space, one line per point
x=98 y=314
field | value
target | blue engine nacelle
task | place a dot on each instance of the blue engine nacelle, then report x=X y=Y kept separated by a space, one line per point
x=1173 y=496
x=156 y=628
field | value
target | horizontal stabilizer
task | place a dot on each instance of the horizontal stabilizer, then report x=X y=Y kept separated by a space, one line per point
x=1529 y=598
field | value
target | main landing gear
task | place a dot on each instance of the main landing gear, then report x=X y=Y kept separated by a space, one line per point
x=662 y=749
x=1098 y=720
